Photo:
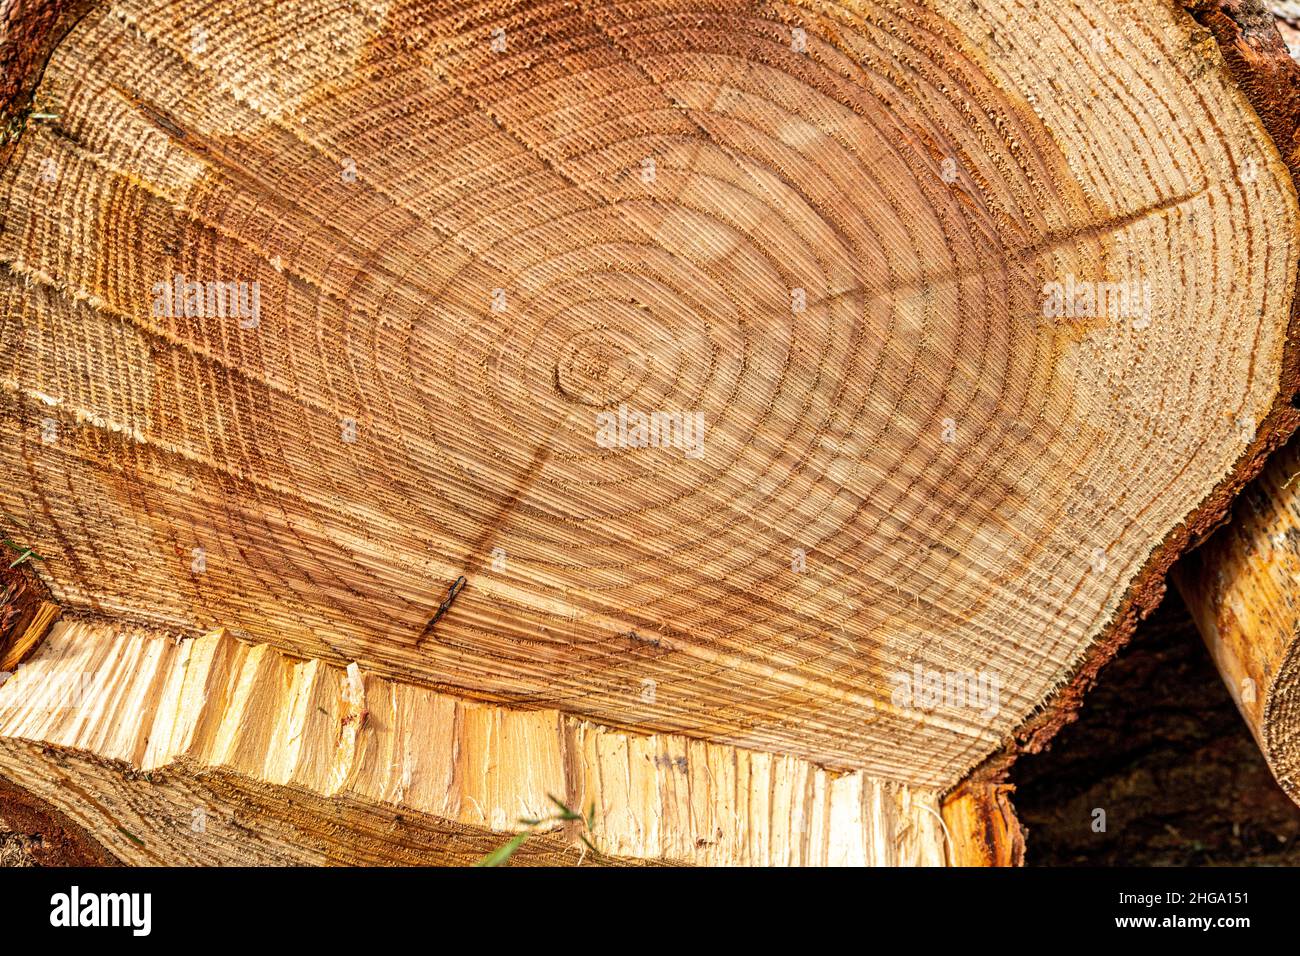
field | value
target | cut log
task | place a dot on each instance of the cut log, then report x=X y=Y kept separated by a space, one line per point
x=835 y=382
x=1243 y=589
x=211 y=751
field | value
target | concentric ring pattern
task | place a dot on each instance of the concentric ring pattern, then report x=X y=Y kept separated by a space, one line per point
x=477 y=244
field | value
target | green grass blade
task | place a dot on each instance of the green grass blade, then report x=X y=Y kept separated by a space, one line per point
x=566 y=813
x=503 y=853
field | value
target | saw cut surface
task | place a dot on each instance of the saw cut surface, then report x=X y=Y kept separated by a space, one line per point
x=939 y=319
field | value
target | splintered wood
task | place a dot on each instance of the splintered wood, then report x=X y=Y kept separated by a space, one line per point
x=26 y=614
x=214 y=751
x=832 y=380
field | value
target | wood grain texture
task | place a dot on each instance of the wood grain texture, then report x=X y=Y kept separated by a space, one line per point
x=135 y=738
x=1243 y=589
x=1259 y=62
x=974 y=488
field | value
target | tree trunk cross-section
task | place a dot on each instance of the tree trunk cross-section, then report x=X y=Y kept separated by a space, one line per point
x=970 y=315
